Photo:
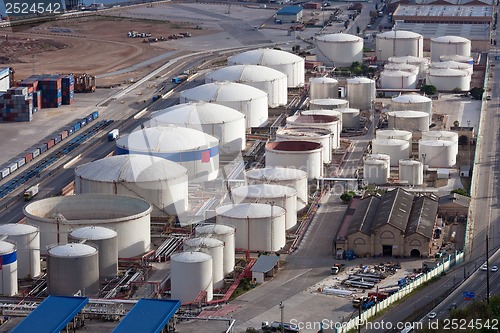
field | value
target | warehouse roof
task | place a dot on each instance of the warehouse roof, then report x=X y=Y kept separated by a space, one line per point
x=148 y=316
x=455 y=198
x=265 y=263
x=455 y=2
x=431 y=30
x=394 y=209
x=440 y=11
x=422 y=217
x=289 y=10
x=52 y=315
x=364 y=215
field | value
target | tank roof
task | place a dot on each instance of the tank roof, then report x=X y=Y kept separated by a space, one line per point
x=263 y=191
x=440 y=134
x=436 y=143
x=305 y=132
x=250 y=210
x=298 y=146
x=451 y=72
x=450 y=39
x=409 y=162
x=409 y=59
x=399 y=34
x=323 y=79
x=390 y=142
x=245 y=73
x=325 y=112
x=396 y=73
x=93 y=233
x=359 y=80
x=265 y=57
x=17 y=229
x=451 y=64
x=218 y=229
x=348 y=110
x=456 y=57
x=408 y=114
x=7 y=247
x=203 y=242
x=190 y=257
x=379 y=156
x=328 y=101
x=276 y=173
x=339 y=38
x=195 y=113
x=400 y=66
x=411 y=98
x=312 y=119
x=71 y=250
x=224 y=91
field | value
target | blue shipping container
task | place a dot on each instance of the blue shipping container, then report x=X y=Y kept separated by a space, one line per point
x=57 y=138
x=89 y=118
x=83 y=122
x=70 y=130
x=95 y=114
x=76 y=126
x=43 y=148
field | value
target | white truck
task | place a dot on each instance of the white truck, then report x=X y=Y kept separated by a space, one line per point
x=113 y=135
x=31 y=192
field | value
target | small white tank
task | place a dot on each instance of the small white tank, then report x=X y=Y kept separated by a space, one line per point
x=449 y=45
x=214 y=248
x=438 y=153
x=396 y=149
x=225 y=234
x=412 y=102
x=453 y=65
x=328 y=103
x=398 y=80
x=319 y=135
x=411 y=171
x=402 y=67
x=449 y=79
x=350 y=118
x=399 y=43
x=302 y=155
x=323 y=87
x=361 y=92
x=421 y=63
x=376 y=169
x=394 y=134
x=442 y=135
x=8 y=273
x=318 y=119
x=27 y=239
x=408 y=120
x=191 y=273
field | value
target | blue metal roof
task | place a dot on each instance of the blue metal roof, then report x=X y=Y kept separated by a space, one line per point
x=148 y=316
x=289 y=10
x=52 y=315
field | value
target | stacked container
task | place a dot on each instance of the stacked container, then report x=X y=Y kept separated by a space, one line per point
x=68 y=89
x=17 y=104
x=51 y=87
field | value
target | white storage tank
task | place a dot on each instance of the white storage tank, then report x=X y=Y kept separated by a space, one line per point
x=225 y=234
x=190 y=274
x=413 y=102
x=408 y=120
x=8 y=273
x=449 y=45
x=226 y=124
x=128 y=216
x=161 y=182
x=106 y=242
x=438 y=153
x=322 y=136
x=323 y=87
x=267 y=79
x=71 y=268
x=376 y=169
x=398 y=80
x=398 y=43
x=442 y=135
x=361 y=92
x=302 y=155
x=328 y=104
x=27 y=240
x=288 y=63
x=457 y=58
x=259 y=227
x=412 y=172
x=283 y=196
x=198 y=152
x=453 y=65
x=294 y=178
x=350 y=118
x=449 y=79
x=250 y=101
x=421 y=63
x=315 y=119
x=340 y=49
x=394 y=134
x=396 y=149
x=402 y=67
x=214 y=248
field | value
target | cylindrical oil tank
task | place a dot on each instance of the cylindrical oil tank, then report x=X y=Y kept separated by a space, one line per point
x=250 y=101
x=412 y=172
x=437 y=153
x=398 y=43
x=402 y=67
x=323 y=87
x=361 y=92
x=376 y=169
x=340 y=49
x=294 y=178
x=128 y=216
x=350 y=118
x=322 y=136
x=161 y=182
x=394 y=134
x=8 y=273
x=190 y=274
x=318 y=119
x=198 y=152
x=288 y=63
x=303 y=155
x=106 y=242
x=71 y=268
x=442 y=135
x=267 y=79
x=449 y=45
x=421 y=63
x=452 y=65
x=412 y=102
x=283 y=196
x=449 y=79
x=214 y=248
x=225 y=234
x=259 y=227
x=408 y=120
x=396 y=149
x=398 y=80
x=457 y=58
x=328 y=104
x=226 y=124
x=27 y=240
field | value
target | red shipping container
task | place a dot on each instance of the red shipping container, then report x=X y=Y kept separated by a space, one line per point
x=64 y=134
x=50 y=143
x=28 y=157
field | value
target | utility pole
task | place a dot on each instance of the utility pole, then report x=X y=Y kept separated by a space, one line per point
x=282 y=308
x=359 y=315
x=487 y=272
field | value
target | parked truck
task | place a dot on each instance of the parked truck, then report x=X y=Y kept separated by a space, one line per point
x=113 y=135
x=179 y=79
x=336 y=269
x=364 y=302
x=31 y=192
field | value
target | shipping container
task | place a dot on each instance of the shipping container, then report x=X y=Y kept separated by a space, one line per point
x=95 y=114
x=28 y=157
x=83 y=122
x=63 y=134
x=76 y=126
x=70 y=130
x=12 y=167
x=57 y=138
x=20 y=161
x=50 y=143
x=35 y=152
x=4 y=173
x=42 y=148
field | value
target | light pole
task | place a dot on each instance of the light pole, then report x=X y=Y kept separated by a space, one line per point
x=282 y=309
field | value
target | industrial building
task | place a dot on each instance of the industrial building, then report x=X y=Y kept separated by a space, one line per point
x=465 y=14
x=454 y=205
x=289 y=14
x=4 y=79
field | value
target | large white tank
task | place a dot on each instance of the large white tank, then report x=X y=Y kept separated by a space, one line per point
x=376 y=169
x=250 y=101
x=350 y=118
x=438 y=153
x=225 y=234
x=361 y=92
x=161 y=182
x=191 y=273
x=71 y=268
x=318 y=119
x=323 y=87
x=290 y=64
x=340 y=49
x=394 y=134
x=412 y=102
x=198 y=152
x=226 y=124
x=283 y=196
x=267 y=79
x=421 y=63
x=453 y=65
x=259 y=227
x=457 y=58
x=411 y=171
x=408 y=120
x=398 y=80
x=106 y=242
x=8 y=271
x=442 y=135
x=294 y=178
x=214 y=248
x=302 y=155
x=449 y=45
x=402 y=67
x=396 y=149
x=328 y=104
x=128 y=216
x=27 y=240
x=322 y=136
x=449 y=79
x=398 y=43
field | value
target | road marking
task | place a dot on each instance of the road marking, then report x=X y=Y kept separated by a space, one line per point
x=298 y=275
x=65 y=166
